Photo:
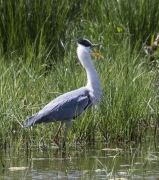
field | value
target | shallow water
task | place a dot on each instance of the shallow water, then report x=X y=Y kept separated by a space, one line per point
x=100 y=161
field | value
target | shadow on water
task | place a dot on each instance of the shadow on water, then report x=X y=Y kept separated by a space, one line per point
x=100 y=161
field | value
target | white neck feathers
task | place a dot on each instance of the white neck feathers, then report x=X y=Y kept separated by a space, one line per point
x=93 y=82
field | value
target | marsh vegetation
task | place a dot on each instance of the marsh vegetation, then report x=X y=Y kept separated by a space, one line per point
x=38 y=62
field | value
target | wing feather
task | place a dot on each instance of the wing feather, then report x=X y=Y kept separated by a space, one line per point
x=64 y=107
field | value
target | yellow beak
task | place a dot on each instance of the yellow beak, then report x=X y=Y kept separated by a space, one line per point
x=97 y=54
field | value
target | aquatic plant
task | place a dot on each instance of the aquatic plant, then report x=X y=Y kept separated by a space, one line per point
x=38 y=62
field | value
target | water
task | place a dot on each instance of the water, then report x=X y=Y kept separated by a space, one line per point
x=100 y=161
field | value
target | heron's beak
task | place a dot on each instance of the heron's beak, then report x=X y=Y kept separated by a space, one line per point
x=95 y=45
x=97 y=54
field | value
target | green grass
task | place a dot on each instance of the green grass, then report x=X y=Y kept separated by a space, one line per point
x=39 y=62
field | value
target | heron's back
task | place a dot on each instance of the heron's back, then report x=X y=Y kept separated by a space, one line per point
x=64 y=107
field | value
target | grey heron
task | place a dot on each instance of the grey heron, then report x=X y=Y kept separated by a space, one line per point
x=68 y=106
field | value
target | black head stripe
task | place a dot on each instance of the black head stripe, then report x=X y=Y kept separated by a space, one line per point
x=84 y=42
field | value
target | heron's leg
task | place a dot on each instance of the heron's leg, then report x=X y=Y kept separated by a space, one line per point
x=57 y=133
x=68 y=123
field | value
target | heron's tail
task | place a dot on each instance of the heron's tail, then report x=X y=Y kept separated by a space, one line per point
x=30 y=121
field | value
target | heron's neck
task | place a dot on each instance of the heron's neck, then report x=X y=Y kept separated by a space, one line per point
x=93 y=82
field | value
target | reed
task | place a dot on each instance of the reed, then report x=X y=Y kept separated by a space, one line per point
x=39 y=62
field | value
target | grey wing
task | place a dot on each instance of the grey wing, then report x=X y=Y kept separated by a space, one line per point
x=64 y=107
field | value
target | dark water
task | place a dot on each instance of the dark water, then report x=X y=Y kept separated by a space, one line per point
x=100 y=161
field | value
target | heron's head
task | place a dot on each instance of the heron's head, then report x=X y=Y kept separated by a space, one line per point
x=86 y=46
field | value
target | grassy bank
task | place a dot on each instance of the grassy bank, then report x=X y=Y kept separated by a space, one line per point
x=38 y=62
